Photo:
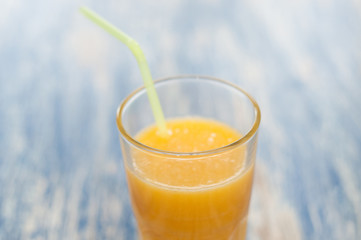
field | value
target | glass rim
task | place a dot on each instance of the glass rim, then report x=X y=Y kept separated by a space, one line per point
x=252 y=131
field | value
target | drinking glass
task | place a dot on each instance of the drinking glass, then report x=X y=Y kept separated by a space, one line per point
x=194 y=197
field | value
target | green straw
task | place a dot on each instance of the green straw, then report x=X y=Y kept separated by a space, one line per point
x=142 y=63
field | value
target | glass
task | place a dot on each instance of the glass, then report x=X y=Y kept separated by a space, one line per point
x=217 y=206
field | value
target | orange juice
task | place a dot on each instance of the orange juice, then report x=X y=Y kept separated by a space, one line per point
x=200 y=196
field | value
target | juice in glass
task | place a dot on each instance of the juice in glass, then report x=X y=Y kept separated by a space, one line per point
x=194 y=183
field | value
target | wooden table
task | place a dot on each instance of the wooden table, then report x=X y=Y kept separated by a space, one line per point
x=62 y=79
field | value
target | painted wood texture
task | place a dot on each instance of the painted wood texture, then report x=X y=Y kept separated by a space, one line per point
x=62 y=78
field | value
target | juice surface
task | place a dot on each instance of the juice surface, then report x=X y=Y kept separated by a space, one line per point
x=190 y=197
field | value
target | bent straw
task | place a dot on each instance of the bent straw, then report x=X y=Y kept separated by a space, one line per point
x=142 y=63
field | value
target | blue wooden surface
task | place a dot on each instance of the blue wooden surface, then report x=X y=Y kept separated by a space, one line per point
x=62 y=78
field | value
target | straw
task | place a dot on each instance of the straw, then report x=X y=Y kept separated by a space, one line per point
x=142 y=63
